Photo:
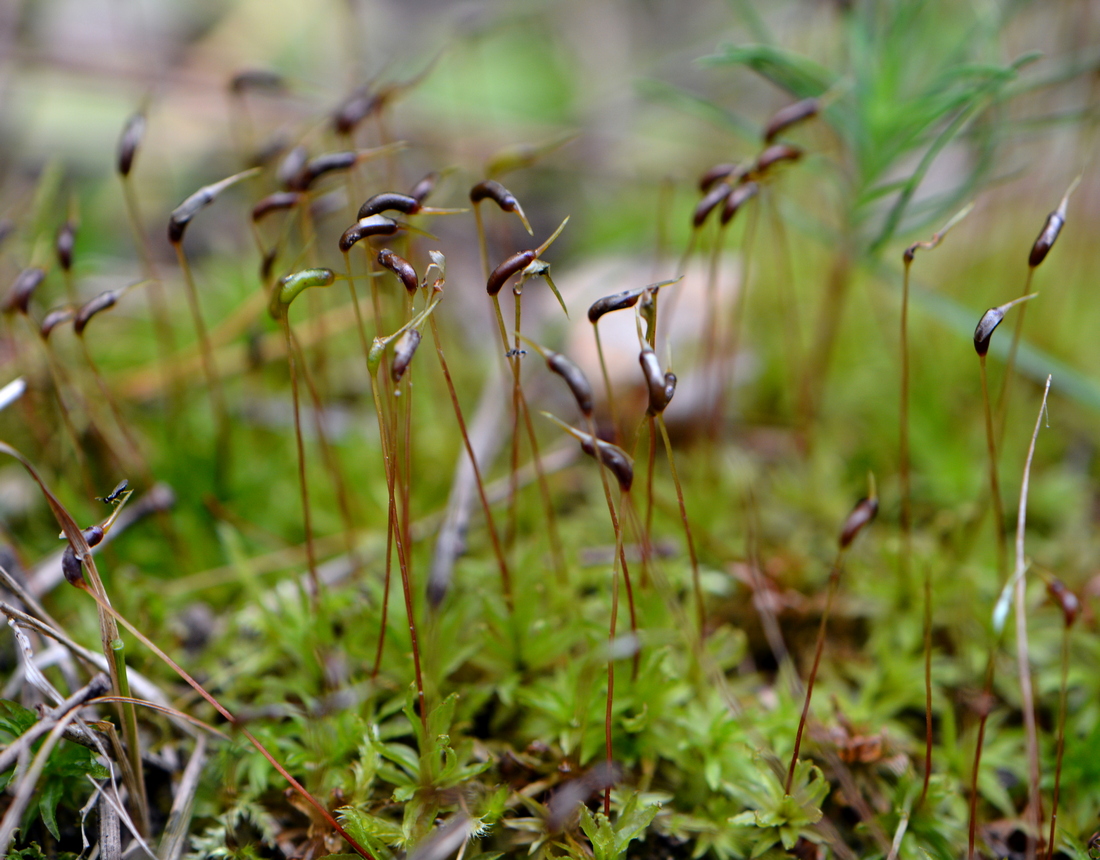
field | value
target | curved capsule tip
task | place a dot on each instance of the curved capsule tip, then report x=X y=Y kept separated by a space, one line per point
x=292 y=286
x=576 y=380
x=93 y=307
x=26 y=282
x=400 y=267
x=862 y=514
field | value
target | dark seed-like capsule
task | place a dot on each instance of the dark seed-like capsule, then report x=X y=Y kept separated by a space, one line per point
x=280 y=201
x=91 y=308
x=53 y=319
x=292 y=164
x=26 y=282
x=717 y=173
x=1065 y=599
x=72 y=568
x=181 y=216
x=513 y=265
x=617 y=302
x=93 y=535
x=490 y=189
x=389 y=201
x=615 y=458
x=773 y=155
x=354 y=109
x=375 y=225
x=710 y=200
x=862 y=514
x=656 y=382
x=129 y=141
x=737 y=198
x=400 y=267
x=1047 y=237
x=424 y=187
x=256 y=79
x=66 y=239
x=317 y=167
x=576 y=380
x=986 y=326
x=403 y=352
x=790 y=115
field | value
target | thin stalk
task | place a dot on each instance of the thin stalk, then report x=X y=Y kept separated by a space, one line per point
x=834 y=580
x=1060 y=742
x=607 y=383
x=519 y=402
x=611 y=650
x=1010 y=365
x=620 y=562
x=696 y=584
x=303 y=486
x=209 y=369
x=1035 y=800
x=329 y=457
x=651 y=462
x=494 y=538
x=237 y=724
x=985 y=706
x=927 y=686
x=389 y=458
x=994 y=484
x=903 y=442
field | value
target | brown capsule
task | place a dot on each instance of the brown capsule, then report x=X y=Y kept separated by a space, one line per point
x=614 y=457
x=1065 y=599
x=66 y=239
x=53 y=319
x=181 y=216
x=986 y=326
x=91 y=308
x=728 y=171
x=256 y=79
x=292 y=164
x=576 y=380
x=1047 y=237
x=280 y=201
x=737 y=198
x=424 y=187
x=22 y=288
x=790 y=115
x=403 y=352
x=513 y=265
x=389 y=201
x=656 y=382
x=492 y=190
x=129 y=141
x=617 y=302
x=773 y=155
x=400 y=267
x=317 y=167
x=354 y=109
x=72 y=568
x=375 y=225
x=862 y=514
x=710 y=200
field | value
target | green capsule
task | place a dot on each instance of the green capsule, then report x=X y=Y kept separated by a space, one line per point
x=288 y=288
